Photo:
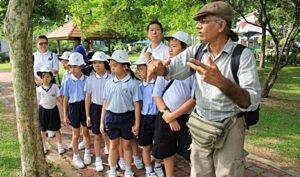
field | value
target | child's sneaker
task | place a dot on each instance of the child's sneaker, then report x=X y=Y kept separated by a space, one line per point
x=121 y=164
x=138 y=163
x=128 y=173
x=159 y=172
x=87 y=158
x=60 y=149
x=51 y=133
x=105 y=150
x=112 y=173
x=81 y=145
x=99 y=165
x=70 y=146
x=152 y=174
x=77 y=162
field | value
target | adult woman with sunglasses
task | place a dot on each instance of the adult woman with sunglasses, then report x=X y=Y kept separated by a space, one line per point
x=44 y=57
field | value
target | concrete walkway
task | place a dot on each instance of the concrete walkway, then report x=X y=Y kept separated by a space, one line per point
x=255 y=166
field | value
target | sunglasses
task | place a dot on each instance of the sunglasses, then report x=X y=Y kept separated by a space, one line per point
x=43 y=43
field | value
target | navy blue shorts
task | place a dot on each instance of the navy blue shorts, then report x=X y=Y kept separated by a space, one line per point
x=49 y=119
x=119 y=125
x=146 y=132
x=95 y=113
x=167 y=142
x=77 y=114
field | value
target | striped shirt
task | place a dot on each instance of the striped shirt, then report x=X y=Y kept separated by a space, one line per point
x=211 y=103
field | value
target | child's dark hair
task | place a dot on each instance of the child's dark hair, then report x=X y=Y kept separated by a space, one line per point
x=131 y=73
x=42 y=74
x=41 y=37
x=155 y=22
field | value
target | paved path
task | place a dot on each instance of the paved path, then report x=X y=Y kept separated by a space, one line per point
x=255 y=166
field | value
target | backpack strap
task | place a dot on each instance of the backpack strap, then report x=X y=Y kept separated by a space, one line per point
x=199 y=54
x=235 y=61
x=168 y=86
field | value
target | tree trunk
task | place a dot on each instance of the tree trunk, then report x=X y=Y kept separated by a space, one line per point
x=269 y=81
x=18 y=32
x=263 y=45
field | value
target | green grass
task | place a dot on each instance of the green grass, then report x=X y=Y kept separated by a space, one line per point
x=278 y=128
x=5 y=66
x=9 y=155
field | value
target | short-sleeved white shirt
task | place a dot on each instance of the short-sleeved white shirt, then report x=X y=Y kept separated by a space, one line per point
x=159 y=52
x=44 y=59
x=48 y=97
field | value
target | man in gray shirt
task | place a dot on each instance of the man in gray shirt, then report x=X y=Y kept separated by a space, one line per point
x=218 y=97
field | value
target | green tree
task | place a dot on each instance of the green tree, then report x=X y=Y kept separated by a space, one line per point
x=18 y=32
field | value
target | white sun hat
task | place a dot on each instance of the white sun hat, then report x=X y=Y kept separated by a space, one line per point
x=99 y=56
x=141 y=60
x=45 y=69
x=183 y=37
x=65 y=55
x=76 y=59
x=120 y=56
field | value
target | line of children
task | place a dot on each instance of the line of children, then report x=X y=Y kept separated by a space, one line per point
x=121 y=111
x=74 y=108
x=47 y=97
x=94 y=88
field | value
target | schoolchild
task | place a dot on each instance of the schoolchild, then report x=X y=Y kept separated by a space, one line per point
x=149 y=112
x=64 y=59
x=94 y=88
x=174 y=100
x=48 y=95
x=121 y=111
x=74 y=108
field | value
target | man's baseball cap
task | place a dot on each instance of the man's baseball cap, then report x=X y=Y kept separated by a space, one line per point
x=218 y=8
x=183 y=37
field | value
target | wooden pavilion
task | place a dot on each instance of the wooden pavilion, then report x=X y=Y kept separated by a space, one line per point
x=70 y=31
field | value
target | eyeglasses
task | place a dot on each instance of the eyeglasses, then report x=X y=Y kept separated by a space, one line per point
x=43 y=43
x=203 y=21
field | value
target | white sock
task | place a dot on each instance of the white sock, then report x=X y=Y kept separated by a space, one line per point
x=127 y=168
x=157 y=165
x=135 y=157
x=113 y=168
x=87 y=151
x=122 y=159
x=148 y=169
x=98 y=159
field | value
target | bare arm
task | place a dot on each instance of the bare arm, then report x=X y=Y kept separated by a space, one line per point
x=183 y=109
x=103 y=116
x=137 y=112
x=88 y=108
x=65 y=109
x=161 y=105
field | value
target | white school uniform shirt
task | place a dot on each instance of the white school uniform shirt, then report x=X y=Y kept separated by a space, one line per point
x=44 y=59
x=177 y=94
x=48 y=97
x=95 y=86
x=160 y=52
x=121 y=94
